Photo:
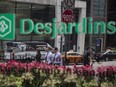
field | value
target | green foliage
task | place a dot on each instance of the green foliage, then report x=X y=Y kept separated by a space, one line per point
x=10 y=81
x=42 y=75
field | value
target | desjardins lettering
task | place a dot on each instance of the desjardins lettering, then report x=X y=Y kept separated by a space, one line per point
x=86 y=26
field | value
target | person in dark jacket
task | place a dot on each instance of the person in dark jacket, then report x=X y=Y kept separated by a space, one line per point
x=38 y=56
x=87 y=56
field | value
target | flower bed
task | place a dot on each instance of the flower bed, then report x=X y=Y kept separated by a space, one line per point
x=17 y=74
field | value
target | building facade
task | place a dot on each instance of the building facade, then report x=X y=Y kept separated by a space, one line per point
x=97 y=9
x=44 y=11
x=36 y=11
x=111 y=16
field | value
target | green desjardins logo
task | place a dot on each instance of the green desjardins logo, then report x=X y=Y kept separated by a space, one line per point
x=7 y=26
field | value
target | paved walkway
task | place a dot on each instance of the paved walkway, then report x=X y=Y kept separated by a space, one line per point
x=104 y=63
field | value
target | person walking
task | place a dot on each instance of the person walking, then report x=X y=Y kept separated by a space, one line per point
x=92 y=56
x=87 y=57
x=38 y=56
x=57 y=57
x=48 y=56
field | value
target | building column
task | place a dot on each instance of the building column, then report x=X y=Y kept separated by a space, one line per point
x=58 y=17
x=81 y=37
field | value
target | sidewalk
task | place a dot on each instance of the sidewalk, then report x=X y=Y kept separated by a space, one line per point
x=95 y=64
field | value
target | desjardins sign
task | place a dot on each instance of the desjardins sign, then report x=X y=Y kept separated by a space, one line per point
x=7 y=27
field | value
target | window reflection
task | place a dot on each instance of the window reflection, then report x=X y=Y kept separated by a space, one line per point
x=36 y=12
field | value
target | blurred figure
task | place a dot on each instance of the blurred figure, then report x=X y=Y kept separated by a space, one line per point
x=38 y=56
x=107 y=50
x=97 y=57
x=48 y=56
x=86 y=60
x=92 y=56
x=57 y=57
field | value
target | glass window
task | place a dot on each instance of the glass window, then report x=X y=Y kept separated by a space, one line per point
x=95 y=12
x=43 y=13
x=38 y=13
x=22 y=11
x=6 y=7
x=99 y=7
